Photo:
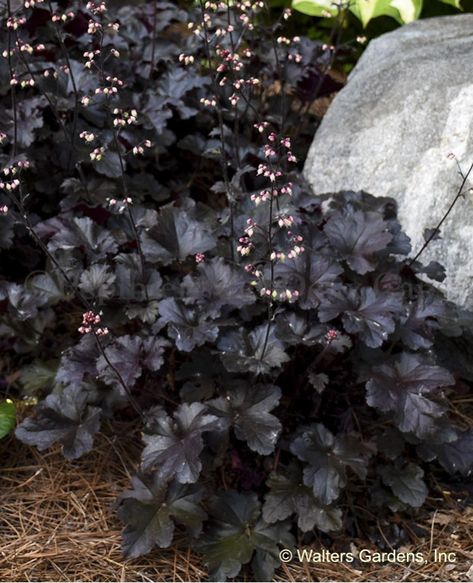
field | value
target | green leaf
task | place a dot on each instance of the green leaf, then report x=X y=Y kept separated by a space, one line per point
x=403 y=11
x=315 y=7
x=409 y=10
x=455 y=3
x=7 y=417
x=366 y=10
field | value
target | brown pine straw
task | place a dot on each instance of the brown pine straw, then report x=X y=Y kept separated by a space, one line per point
x=58 y=523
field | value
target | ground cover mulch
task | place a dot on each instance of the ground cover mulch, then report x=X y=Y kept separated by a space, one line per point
x=58 y=523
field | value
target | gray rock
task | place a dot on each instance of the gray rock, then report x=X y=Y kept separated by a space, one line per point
x=407 y=105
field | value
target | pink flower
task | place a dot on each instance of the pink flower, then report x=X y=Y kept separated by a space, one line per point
x=261 y=126
x=89 y=320
x=286 y=142
x=331 y=335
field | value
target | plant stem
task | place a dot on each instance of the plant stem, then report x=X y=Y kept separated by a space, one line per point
x=445 y=216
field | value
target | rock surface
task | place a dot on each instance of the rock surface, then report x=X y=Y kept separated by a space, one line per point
x=407 y=105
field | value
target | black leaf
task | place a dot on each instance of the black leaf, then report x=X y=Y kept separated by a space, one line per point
x=406 y=483
x=258 y=351
x=365 y=311
x=176 y=235
x=246 y=408
x=188 y=327
x=409 y=388
x=218 y=285
x=311 y=274
x=236 y=533
x=129 y=355
x=288 y=495
x=358 y=236
x=329 y=457
x=66 y=419
x=151 y=509
x=173 y=446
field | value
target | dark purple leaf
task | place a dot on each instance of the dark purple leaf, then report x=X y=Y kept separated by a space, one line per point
x=358 y=236
x=288 y=495
x=410 y=388
x=150 y=512
x=188 y=327
x=246 y=407
x=176 y=235
x=258 y=351
x=66 y=419
x=236 y=532
x=365 y=311
x=218 y=285
x=78 y=362
x=311 y=274
x=406 y=483
x=129 y=355
x=174 y=445
x=417 y=329
x=328 y=459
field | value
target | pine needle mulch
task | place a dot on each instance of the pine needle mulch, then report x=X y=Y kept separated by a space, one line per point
x=58 y=523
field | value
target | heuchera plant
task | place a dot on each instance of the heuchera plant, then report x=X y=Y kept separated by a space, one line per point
x=162 y=259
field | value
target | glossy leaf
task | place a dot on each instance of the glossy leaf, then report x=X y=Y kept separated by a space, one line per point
x=246 y=407
x=150 y=512
x=328 y=459
x=410 y=389
x=365 y=311
x=358 y=236
x=173 y=446
x=237 y=533
x=258 y=351
x=66 y=419
x=175 y=236
x=289 y=496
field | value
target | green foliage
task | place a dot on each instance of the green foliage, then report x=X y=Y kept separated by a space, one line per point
x=7 y=417
x=403 y=11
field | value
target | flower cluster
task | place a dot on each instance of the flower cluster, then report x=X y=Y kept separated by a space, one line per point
x=97 y=154
x=140 y=148
x=277 y=150
x=119 y=205
x=90 y=321
x=124 y=118
x=11 y=174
